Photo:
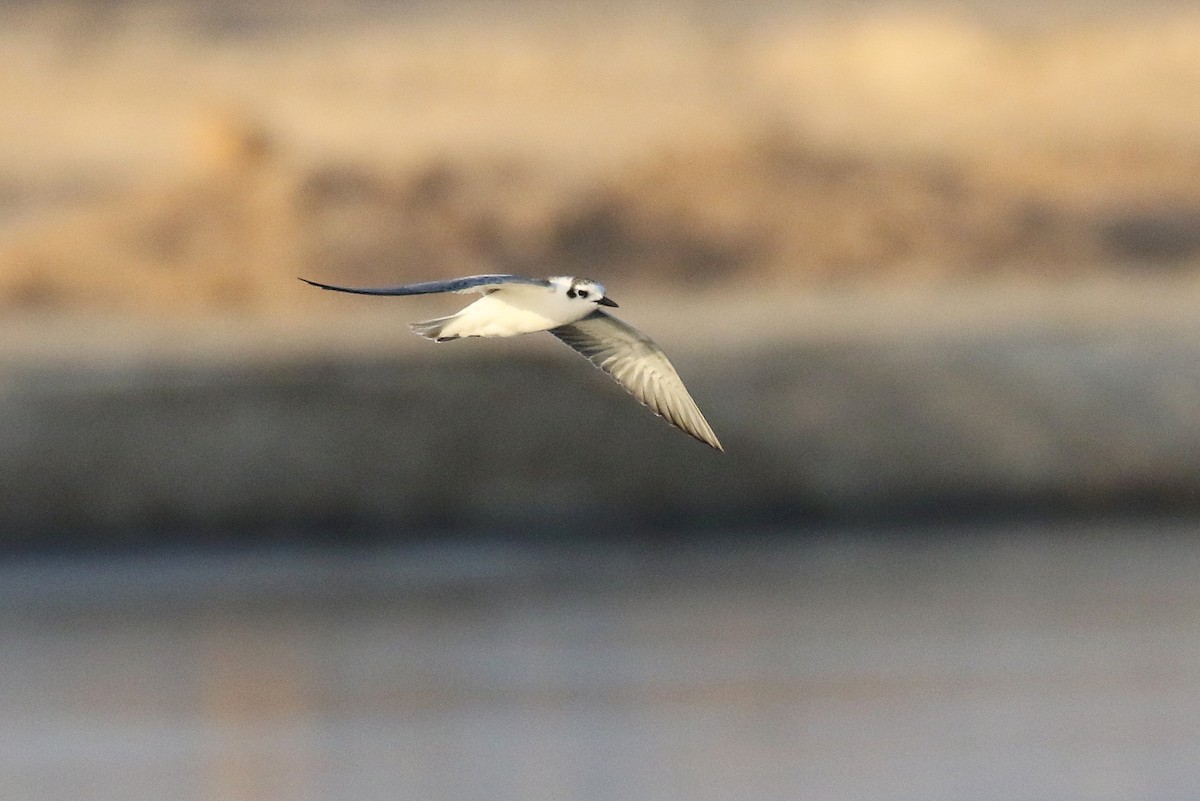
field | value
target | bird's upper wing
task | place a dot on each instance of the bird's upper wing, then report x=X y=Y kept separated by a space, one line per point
x=640 y=366
x=472 y=283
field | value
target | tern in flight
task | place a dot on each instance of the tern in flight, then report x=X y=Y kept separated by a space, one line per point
x=570 y=309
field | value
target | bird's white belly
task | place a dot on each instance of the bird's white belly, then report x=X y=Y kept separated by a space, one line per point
x=507 y=313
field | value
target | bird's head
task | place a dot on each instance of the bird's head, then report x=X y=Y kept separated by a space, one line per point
x=585 y=290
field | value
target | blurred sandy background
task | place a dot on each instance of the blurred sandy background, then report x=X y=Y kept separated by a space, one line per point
x=163 y=159
x=910 y=259
x=931 y=271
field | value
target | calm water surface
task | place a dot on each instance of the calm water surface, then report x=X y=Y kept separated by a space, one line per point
x=1002 y=663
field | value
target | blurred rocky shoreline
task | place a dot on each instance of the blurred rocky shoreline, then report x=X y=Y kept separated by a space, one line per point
x=874 y=407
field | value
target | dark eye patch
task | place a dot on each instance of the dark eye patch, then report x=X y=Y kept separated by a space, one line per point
x=571 y=292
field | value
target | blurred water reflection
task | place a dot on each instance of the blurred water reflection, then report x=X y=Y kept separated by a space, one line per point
x=1004 y=663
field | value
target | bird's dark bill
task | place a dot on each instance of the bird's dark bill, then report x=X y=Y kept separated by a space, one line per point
x=607 y=302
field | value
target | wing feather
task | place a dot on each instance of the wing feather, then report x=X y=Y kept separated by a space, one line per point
x=471 y=283
x=640 y=366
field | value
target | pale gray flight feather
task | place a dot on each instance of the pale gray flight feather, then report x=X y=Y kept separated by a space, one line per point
x=640 y=366
x=472 y=283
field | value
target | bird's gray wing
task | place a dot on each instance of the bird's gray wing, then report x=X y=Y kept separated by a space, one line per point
x=471 y=283
x=637 y=364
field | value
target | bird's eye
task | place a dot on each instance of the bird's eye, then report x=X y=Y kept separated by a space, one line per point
x=583 y=293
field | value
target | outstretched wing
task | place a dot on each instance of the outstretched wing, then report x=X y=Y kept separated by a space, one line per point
x=637 y=364
x=472 y=283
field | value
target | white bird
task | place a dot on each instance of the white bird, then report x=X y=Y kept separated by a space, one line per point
x=568 y=308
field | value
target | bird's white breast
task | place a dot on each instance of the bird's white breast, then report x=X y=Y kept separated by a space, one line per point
x=516 y=310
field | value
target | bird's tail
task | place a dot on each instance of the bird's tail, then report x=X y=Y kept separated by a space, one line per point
x=432 y=329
